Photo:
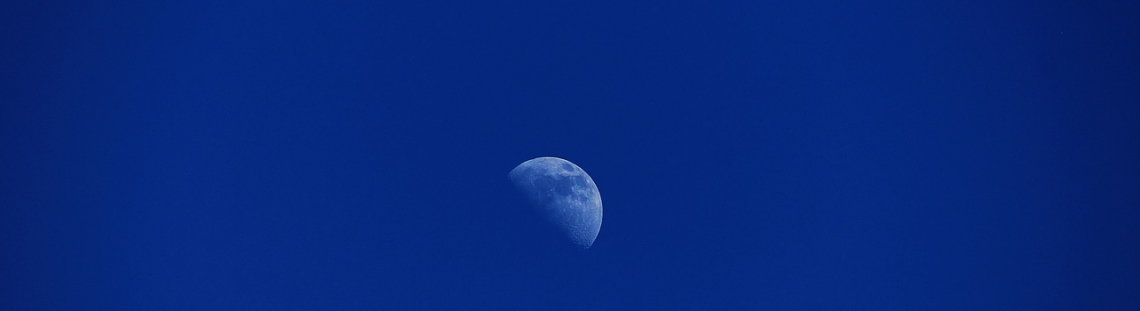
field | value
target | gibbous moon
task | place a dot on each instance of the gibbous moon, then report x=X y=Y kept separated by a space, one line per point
x=565 y=194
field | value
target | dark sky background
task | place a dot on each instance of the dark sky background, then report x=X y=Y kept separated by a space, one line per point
x=751 y=155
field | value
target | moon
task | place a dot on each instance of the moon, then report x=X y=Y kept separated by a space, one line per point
x=564 y=194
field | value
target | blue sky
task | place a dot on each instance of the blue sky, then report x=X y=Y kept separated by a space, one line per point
x=796 y=155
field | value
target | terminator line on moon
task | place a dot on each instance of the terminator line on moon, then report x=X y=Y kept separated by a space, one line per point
x=564 y=194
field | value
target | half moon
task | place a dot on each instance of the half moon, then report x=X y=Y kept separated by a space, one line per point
x=564 y=194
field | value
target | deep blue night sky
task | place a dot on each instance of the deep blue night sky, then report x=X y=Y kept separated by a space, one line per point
x=751 y=155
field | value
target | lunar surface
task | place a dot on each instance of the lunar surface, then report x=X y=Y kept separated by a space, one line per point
x=564 y=194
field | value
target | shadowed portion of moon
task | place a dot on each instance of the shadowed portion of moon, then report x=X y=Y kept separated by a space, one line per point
x=565 y=194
